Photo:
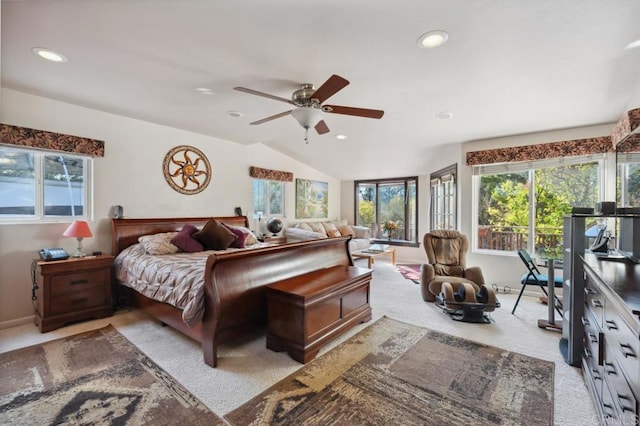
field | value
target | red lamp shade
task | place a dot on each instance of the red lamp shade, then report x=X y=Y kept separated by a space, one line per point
x=79 y=228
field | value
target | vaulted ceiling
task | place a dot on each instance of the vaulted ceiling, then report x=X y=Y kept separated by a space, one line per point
x=508 y=67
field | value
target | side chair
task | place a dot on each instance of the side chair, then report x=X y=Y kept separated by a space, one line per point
x=534 y=277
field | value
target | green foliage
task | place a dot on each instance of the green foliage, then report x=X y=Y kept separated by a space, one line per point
x=504 y=200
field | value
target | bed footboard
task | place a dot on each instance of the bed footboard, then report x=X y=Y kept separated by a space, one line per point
x=235 y=294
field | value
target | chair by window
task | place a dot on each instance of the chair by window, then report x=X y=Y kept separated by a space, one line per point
x=447 y=280
x=534 y=277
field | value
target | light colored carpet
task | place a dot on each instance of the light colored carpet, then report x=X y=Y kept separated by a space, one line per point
x=247 y=368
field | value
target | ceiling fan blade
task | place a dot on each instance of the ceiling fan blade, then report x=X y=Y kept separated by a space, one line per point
x=273 y=117
x=264 y=95
x=322 y=127
x=329 y=88
x=359 y=112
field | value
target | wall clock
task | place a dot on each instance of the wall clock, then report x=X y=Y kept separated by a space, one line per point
x=187 y=169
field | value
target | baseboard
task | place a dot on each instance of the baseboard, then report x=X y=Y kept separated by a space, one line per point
x=15 y=322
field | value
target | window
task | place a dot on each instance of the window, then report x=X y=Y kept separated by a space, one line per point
x=43 y=186
x=383 y=200
x=522 y=205
x=268 y=198
x=628 y=179
x=443 y=199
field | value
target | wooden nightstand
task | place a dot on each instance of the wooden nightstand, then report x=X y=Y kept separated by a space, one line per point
x=273 y=240
x=72 y=290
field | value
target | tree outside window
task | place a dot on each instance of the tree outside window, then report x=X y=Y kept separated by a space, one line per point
x=525 y=209
x=268 y=198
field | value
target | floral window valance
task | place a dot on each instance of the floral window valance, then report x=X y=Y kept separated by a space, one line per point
x=50 y=141
x=624 y=136
x=541 y=151
x=257 y=172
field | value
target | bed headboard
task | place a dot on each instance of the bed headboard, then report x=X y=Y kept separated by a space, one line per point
x=125 y=232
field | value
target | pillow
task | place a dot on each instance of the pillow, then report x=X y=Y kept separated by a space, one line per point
x=347 y=230
x=158 y=244
x=317 y=227
x=339 y=223
x=305 y=226
x=185 y=241
x=214 y=236
x=250 y=238
x=361 y=231
x=335 y=233
x=330 y=229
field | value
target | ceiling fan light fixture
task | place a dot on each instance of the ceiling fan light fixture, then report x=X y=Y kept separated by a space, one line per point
x=307 y=117
x=341 y=137
x=433 y=39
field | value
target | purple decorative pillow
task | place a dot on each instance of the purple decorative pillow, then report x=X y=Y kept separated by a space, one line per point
x=185 y=241
x=241 y=239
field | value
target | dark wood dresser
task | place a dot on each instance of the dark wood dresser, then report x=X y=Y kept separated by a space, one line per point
x=611 y=353
x=306 y=311
x=72 y=290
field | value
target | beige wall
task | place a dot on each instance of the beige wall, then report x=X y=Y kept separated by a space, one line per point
x=130 y=174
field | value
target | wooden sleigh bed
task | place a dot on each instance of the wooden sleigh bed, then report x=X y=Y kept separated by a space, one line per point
x=234 y=293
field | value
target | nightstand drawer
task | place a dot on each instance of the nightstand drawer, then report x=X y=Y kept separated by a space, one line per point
x=78 y=301
x=79 y=281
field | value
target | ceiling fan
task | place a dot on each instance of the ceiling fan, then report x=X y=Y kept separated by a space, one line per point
x=309 y=108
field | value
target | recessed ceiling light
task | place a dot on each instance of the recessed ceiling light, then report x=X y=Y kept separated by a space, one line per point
x=204 y=90
x=341 y=137
x=235 y=113
x=433 y=39
x=444 y=115
x=49 y=55
x=633 y=45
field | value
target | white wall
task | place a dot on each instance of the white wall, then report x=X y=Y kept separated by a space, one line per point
x=130 y=174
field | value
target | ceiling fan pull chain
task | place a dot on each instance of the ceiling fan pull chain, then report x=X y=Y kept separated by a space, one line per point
x=306 y=135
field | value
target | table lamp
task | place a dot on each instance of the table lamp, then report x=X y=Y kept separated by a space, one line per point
x=78 y=229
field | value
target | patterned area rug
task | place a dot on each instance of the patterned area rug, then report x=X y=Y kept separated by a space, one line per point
x=410 y=272
x=97 y=377
x=397 y=373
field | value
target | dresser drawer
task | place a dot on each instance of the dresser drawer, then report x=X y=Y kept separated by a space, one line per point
x=622 y=344
x=69 y=284
x=621 y=396
x=593 y=340
x=594 y=300
x=592 y=371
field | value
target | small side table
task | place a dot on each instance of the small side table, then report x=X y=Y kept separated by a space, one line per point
x=273 y=240
x=72 y=290
x=551 y=323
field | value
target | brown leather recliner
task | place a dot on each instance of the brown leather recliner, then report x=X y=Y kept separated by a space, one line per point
x=447 y=280
x=446 y=251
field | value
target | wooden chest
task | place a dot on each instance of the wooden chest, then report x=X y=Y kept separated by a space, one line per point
x=306 y=311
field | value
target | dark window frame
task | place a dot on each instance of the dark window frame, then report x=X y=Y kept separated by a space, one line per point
x=378 y=182
x=453 y=171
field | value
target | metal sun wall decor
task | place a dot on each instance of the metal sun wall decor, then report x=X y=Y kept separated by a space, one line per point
x=312 y=199
x=187 y=169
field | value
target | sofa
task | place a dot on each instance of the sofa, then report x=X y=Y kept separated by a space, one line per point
x=313 y=230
